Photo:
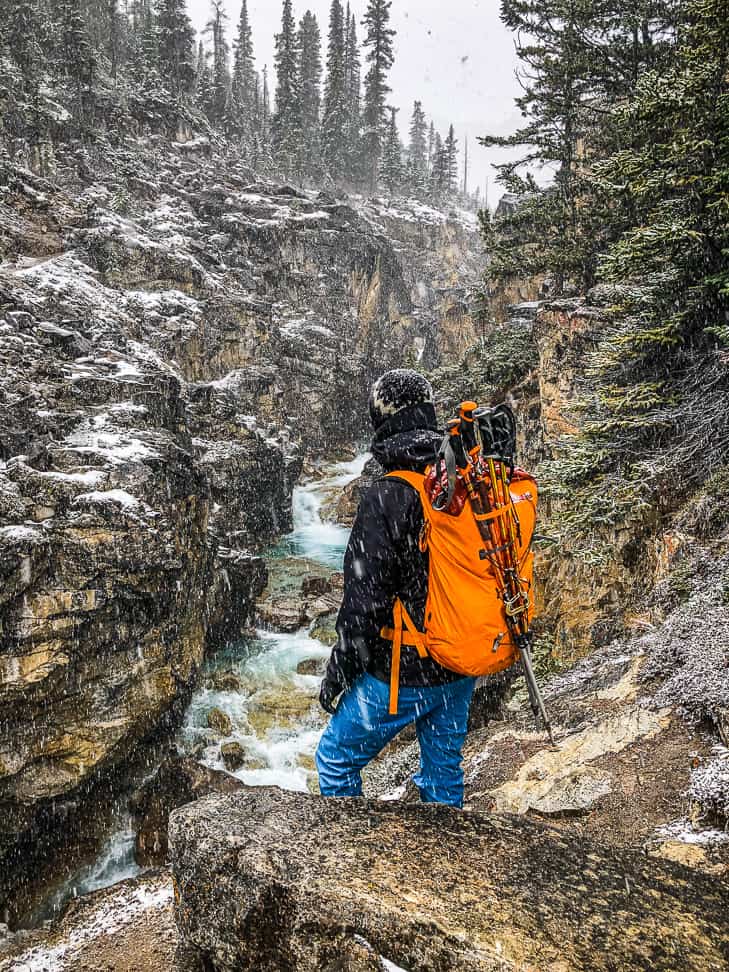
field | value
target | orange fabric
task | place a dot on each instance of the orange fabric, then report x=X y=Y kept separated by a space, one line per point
x=395 y=669
x=403 y=632
x=465 y=615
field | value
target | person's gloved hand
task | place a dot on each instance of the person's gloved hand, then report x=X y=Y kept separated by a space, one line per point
x=330 y=689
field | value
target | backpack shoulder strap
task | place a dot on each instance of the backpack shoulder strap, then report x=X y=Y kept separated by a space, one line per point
x=415 y=479
x=404 y=631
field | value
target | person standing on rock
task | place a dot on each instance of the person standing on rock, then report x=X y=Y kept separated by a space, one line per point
x=384 y=564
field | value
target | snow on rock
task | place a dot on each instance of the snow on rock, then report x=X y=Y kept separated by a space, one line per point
x=119 y=497
x=90 y=477
x=710 y=784
x=689 y=654
x=115 y=447
x=19 y=533
x=66 y=284
x=164 y=302
x=410 y=210
x=107 y=916
x=389 y=966
x=687 y=832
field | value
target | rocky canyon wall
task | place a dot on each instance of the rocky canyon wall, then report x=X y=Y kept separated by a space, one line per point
x=174 y=337
x=443 y=261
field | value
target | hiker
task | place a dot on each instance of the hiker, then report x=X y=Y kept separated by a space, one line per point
x=383 y=567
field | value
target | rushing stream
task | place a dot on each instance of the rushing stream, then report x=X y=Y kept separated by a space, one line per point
x=272 y=707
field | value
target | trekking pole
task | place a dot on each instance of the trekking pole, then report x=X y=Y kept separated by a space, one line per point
x=523 y=643
x=499 y=538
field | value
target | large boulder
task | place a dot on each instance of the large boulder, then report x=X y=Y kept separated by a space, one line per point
x=269 y=880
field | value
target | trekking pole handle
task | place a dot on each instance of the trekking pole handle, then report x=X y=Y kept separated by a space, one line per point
x=454 y=430
x=468 y=429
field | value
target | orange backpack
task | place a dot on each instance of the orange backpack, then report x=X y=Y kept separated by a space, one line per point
x=465 y=617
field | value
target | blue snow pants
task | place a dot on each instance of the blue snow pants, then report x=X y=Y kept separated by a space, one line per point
x=363 y=726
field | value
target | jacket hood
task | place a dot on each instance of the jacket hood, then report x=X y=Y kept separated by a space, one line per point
x=408 y=440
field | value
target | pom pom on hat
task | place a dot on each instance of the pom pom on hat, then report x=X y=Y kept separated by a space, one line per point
x=397 y=390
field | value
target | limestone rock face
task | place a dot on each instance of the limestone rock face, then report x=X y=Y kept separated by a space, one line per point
x=280 y=881
x=583 y=604
x=443 y=257
x=113 y=581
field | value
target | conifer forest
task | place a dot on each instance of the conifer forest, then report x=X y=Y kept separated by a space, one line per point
x=255 y=257
x=320 y=115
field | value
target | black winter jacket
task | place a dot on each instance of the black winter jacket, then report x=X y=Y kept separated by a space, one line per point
x=383 y=560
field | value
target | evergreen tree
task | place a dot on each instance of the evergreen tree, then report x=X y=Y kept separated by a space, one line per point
x=204 y=93
x=77 y=57
x=352 y=84
x=114 y=38
x=286 y=125
x=20 y=35
x=143 y=68
x=264 y=129
x=380 y=57
x=221 y=82
x=334 y=121
x=309 y=110
x=450 y=150
x=245 y=82
x=391 y=170
x=176 y=40
x=418 y=150
x=431 y=147
x=579 y=58
x=22 y=63
x=656 y=413
x=439 y=170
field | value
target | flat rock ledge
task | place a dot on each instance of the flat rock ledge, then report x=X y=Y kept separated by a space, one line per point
x=270 y=880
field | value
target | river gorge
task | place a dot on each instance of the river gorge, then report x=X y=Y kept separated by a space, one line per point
x=184 y=401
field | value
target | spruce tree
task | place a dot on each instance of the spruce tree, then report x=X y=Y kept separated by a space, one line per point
x=114 y=36
x=286 y=124
x=450 y=150
x=22 y=64
x=204 y=90
x=431 y=147
x=353 y=85
x=439 y=170
x=21 y=31
x=418 y=150
x=216 y=27
x=77 y=57
x=176 y=40
x=578 y=60
x=380 y=57
x=244 y=82
x=391 y=170
x=309 y=109
x=657 y=385
x=334 y=120
x=264 y=129
x=143 y=66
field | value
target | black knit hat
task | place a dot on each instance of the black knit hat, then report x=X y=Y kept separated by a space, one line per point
x=397 y=390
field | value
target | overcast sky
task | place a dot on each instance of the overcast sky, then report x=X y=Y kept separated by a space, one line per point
x=453 y=55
